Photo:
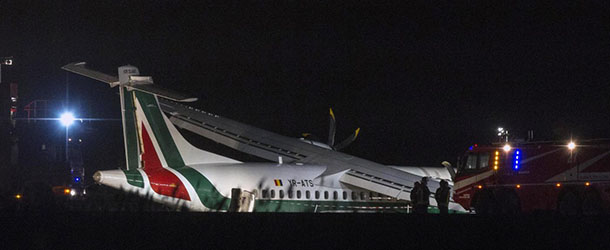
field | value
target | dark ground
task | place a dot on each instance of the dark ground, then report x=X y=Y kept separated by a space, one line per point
x=162 y=230
x=110 y=219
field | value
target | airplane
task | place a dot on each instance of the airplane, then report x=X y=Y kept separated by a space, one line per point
x=162 y=165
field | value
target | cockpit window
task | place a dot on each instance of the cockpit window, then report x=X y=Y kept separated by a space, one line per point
x=471 y=162
x=476 y=161
x=483 y=160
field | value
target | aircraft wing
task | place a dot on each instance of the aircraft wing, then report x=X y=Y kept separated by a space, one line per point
x=239 y=136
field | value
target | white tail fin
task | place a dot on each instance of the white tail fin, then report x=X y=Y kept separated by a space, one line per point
x=140 y=92
x=140 y=110
x=169 y=143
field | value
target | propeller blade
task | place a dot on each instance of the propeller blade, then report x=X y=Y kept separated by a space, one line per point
x=331 y=129
x=348 y=140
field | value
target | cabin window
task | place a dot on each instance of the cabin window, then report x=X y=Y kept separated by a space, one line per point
x=272 y=193
x=335 y=195
x=344 y=195
x=265 y=193
x=326 y=195
x=354 y=196
x=281 y=194
x=317 y=195
x=308 y=195
x=298 y=194
x=371 y=195
x=362 y=196
x=290 y=194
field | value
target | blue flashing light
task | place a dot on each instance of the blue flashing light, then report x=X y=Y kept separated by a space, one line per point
x=77 y=179
x=516 y=158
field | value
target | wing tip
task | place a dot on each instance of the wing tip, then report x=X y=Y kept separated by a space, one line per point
x=73 y=64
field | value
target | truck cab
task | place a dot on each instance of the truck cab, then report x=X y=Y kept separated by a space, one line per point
x=528 y=176
x=475 y=170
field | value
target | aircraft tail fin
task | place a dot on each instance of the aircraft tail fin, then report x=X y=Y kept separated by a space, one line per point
x=165 y=137
x=150 y=139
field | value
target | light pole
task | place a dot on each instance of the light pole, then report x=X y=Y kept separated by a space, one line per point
x=502 y=134
x=5 y=61
x=13 y=138
x=66 y=119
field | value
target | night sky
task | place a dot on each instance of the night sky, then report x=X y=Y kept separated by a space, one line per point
x=424 y=81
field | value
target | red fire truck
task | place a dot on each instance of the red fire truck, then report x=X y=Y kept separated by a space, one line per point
x=505 y=178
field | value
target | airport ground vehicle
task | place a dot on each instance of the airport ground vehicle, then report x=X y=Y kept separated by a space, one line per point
x=570 y=178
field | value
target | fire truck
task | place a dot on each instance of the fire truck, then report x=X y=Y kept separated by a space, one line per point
x=514 y=177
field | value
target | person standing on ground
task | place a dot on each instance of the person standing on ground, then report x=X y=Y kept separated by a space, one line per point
x=423 y=197
x=442 y=197
x=416 y=188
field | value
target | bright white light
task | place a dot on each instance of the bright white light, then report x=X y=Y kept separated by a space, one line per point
x=500 y=129
x=571 y=145
x=506 y=147
x=66 y=119
x=72 y=192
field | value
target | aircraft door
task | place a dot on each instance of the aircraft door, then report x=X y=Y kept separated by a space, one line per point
x=242 y=200
x=247 y=201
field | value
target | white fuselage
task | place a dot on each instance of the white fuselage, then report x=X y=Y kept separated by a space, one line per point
x=283 y=183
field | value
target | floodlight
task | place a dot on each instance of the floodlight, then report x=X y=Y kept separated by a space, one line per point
x=571 y=145
x=67 y=119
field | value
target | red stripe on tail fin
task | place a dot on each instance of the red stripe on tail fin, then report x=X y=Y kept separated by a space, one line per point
x=162 y=180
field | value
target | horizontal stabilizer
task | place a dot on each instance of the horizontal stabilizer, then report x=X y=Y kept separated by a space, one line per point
x=141 y=83
x=79 y=68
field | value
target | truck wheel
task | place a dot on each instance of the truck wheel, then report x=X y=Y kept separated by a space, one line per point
x=508 y=202
x=485 y=203
x=569 y=204
x=591 y=204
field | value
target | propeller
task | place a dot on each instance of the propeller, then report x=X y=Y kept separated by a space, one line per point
x=331 y=134
x=347 y=140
